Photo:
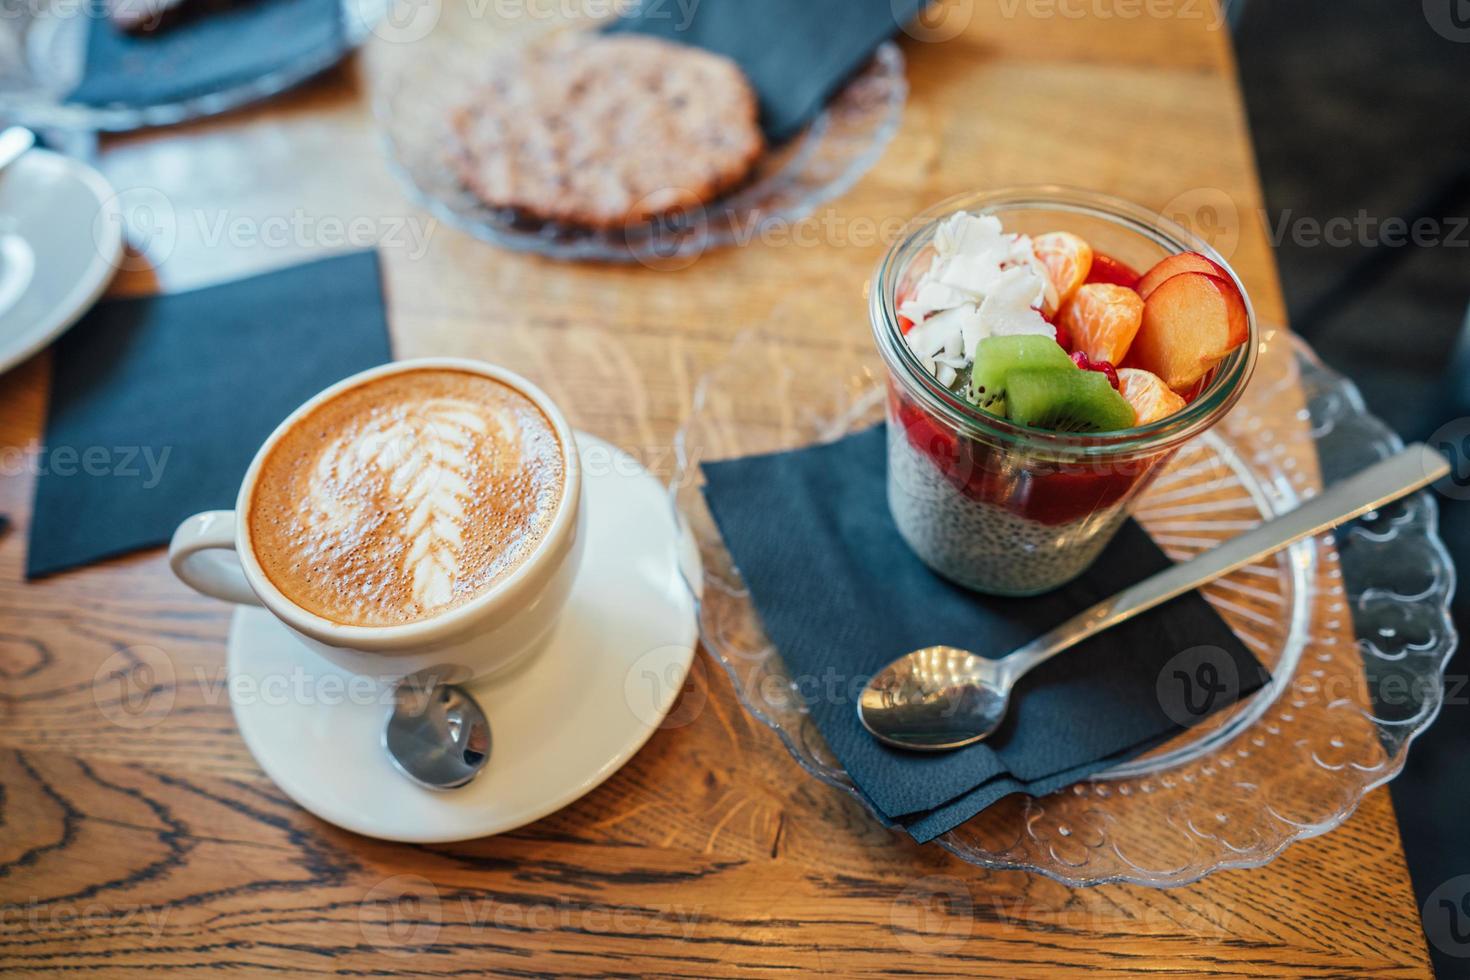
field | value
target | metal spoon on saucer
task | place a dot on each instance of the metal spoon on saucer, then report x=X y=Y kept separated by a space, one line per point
x=437 y=735
x=942 y=698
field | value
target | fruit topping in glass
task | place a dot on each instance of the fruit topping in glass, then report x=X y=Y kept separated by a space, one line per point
x=1052 y=334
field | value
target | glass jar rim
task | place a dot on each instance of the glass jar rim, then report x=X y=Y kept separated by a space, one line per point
x=1204 y=411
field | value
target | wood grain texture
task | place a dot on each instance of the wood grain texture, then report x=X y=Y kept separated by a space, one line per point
x=137 y=834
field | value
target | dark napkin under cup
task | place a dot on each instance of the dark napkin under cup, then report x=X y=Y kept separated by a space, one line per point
x=841 y=594
x=159 y=403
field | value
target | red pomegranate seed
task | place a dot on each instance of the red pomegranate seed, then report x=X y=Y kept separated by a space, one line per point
x=1105 y=368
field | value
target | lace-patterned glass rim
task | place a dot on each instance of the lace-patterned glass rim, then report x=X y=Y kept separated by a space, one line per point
x=1354 y=626
x=42 y=52
x=413 y=102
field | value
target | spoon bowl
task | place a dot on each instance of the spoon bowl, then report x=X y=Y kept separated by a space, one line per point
x=437 y=735
x=935 y=699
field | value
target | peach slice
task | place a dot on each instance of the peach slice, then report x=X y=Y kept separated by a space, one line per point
x=1150 y=397
x=1068 y=260
x=1102 y=320
x=1190 y=323
x=1176 y=265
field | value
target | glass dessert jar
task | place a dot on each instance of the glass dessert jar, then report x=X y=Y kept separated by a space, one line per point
x=1004 y=508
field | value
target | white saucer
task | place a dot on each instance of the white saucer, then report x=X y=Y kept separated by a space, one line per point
x=61 y=240
x=560 y=725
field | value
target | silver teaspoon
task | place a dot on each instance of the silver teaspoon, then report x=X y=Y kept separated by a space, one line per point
x=941 y=698
x=437 y=735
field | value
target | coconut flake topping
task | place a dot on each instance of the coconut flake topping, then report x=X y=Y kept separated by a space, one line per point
x=981 y=283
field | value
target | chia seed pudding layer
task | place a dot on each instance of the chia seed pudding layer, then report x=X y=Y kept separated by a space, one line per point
x=984 y=546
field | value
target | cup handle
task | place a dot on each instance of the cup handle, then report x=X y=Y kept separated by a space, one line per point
x=213 y=574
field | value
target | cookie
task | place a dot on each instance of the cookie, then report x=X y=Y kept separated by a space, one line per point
x=606 y=131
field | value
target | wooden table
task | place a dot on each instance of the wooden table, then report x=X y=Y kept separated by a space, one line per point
x=126 y=849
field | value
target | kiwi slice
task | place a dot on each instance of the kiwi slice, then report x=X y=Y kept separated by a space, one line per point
x=1066 y=400
x=997 y=357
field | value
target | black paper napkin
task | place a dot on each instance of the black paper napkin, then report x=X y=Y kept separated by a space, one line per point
x=223 y=46
x=797 y=53
x=159 y=403
x=841 y=594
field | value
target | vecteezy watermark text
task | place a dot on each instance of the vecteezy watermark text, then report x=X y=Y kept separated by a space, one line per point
x=124 y=462
x=153 y=226
x=1199 y=10
x=88 y=918
x=403 y=915
x=1212 y=214
x=301 y=228
x=1365 y=230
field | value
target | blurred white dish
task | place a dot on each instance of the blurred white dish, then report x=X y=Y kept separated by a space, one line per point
x=61 y=241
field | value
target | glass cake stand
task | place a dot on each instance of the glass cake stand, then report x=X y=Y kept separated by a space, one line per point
x=1354 y=626
x=416 y=96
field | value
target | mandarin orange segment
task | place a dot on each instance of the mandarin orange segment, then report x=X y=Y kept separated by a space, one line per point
x=1068 y=260
x=1102 y=320
x=1151 y=399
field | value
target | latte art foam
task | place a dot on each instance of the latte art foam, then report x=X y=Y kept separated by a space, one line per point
x=406 y=496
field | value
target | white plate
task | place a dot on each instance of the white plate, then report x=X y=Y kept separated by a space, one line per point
x=559 y=726
x=61 y=240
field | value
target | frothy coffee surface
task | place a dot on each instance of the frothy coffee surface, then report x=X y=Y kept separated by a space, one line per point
x=406 y=496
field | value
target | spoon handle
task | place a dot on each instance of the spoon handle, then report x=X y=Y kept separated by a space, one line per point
x=1399 y=475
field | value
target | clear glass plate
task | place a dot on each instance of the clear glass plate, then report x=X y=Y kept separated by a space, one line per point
x=416 y=97
x=1356 y=637
x=43 y=52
